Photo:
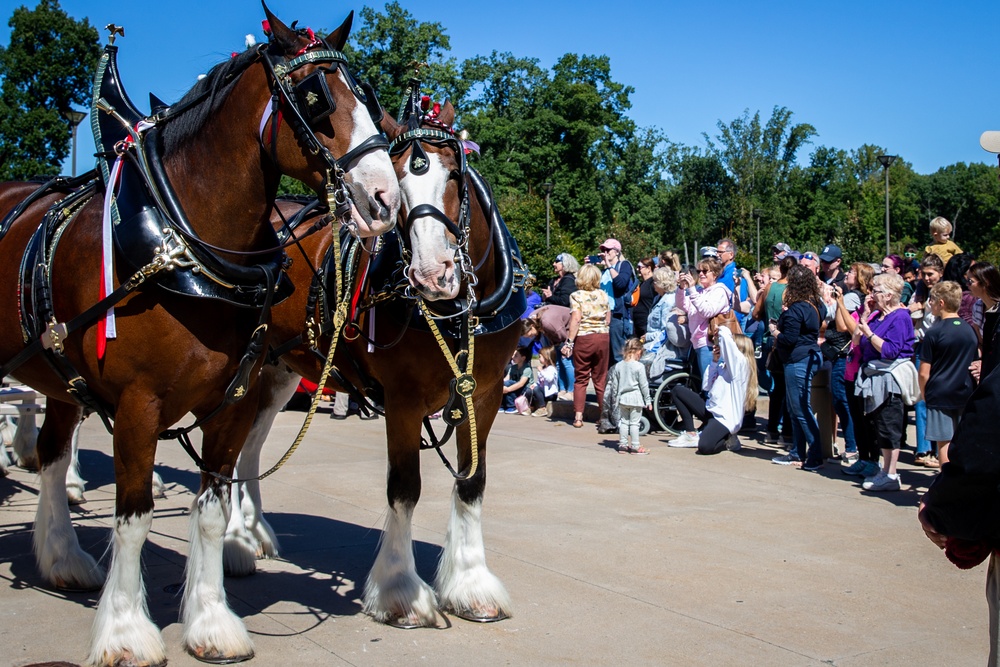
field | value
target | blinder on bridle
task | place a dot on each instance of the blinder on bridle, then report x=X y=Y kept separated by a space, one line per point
x=310 y=101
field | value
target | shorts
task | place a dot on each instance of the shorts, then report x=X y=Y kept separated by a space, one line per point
x=887 y=423
x=941 y=424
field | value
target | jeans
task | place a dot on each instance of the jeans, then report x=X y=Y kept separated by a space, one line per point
x=920 y=417
x=616 y=337
x=565 y=368
x=838 y=387
x=703 y=355
x=798 y=387
x=507 y=402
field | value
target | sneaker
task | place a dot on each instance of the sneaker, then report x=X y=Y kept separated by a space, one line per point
x=849 y=457
x=684 y=440
x=857 y=468
x=771 y=439
x=510 y=411
x=733 y=444
x=881 y=482
x=540 y=412
x=812 y=466
x=786 y=460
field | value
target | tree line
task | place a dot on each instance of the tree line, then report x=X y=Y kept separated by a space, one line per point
x=569 y=126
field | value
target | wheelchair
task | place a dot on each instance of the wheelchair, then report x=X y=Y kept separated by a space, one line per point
x=663 y=416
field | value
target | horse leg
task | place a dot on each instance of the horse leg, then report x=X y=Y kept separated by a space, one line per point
x=25 y=442
x=123 y=632
x=212 y=632
x=248 y=535
x=75 y=484
x=464 y=583
x=394 y=593
x=5 y=439
x=60 y=559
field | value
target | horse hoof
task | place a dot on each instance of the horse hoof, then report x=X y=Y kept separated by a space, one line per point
x=480 y=615
x=128 y=661
x=72 y=588
x=215 y=658
x=410 y=622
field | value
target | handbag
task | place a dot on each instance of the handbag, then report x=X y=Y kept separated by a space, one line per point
x=521 y=404
x=836 y=345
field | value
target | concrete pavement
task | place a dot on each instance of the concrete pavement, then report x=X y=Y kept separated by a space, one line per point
x=666 y=559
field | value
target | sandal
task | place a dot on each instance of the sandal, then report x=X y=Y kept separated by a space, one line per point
x=577 y=424
x=638 y=450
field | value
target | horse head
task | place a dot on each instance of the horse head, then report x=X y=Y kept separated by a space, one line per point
x=329 y=139
x=430 y=165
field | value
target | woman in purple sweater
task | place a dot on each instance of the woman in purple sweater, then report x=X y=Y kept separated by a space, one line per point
x=886 y=332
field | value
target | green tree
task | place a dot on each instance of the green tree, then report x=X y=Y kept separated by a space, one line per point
x=760 y=159
x=388 y=42
x=46 y=69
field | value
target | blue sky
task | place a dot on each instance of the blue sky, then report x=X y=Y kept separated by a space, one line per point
x=916 y=78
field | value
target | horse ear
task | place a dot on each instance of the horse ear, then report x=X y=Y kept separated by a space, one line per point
x=283 y=36
x=447 y=115
x=391 y=128
x=338 y=38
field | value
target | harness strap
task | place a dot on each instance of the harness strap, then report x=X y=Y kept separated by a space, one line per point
x=464 y=385
x=55 y=333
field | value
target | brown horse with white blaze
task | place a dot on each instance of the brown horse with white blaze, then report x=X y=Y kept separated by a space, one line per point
x=222 y=156
x=451 y=238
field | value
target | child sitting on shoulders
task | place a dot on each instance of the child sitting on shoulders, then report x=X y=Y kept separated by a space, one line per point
x=943 y=246
x=731 y=384
x=627 y=381
x=547 y=387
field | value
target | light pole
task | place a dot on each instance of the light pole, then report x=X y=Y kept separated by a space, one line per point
x=757 y=213
x=885 y=161
x=548 y=191
x=74 y=118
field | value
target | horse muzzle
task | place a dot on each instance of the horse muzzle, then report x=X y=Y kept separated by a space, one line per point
x=372 y=214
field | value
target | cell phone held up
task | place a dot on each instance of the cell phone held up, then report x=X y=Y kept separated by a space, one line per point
x=594 y=259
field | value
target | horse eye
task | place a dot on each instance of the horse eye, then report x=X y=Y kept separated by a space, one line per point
x=455 y=174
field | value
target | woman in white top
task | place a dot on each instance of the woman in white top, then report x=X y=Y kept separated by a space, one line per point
x=731 y=384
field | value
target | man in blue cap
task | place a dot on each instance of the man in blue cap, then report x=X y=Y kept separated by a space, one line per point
x=830 y=260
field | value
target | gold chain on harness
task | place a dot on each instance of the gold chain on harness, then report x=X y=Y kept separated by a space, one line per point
x=465 y=383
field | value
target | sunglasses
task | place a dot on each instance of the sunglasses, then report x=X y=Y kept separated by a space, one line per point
x=810 y=256
x=702 y=272
x=910 y=255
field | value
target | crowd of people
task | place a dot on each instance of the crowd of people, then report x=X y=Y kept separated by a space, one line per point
x=872 y=340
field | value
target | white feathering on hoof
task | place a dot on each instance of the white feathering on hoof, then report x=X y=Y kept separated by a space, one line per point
x=122 y=631
x=394 y=592
x=60 y=559
x=211 y=629
x=464 y=583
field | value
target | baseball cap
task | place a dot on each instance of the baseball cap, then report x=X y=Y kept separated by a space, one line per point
x=830 y=253
x=781 y=247
x=611 y=244
x=558 y=258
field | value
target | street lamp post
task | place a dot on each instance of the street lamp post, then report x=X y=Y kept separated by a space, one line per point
x=886 y=161
x=548 y=191
x=74 y=118
x=757 y=213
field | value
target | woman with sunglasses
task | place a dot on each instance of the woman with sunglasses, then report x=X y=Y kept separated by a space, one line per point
x=713 y=299
x=647 y=297
x=885 y=333
x=984 y=283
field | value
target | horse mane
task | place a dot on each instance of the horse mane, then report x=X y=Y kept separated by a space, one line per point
x=205 y=98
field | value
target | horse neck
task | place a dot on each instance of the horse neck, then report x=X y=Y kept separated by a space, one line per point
x=480 y=231
x=220 y=177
